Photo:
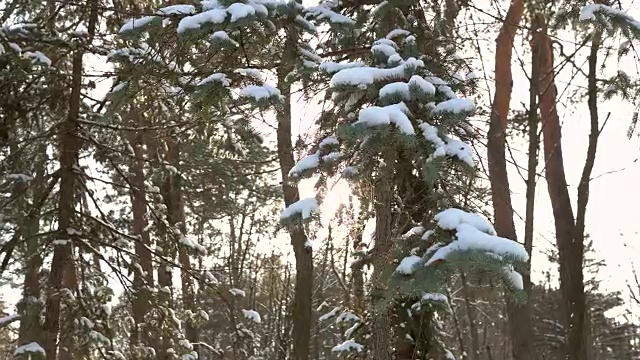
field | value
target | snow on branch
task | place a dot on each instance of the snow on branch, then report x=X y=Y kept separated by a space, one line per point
x=30 y=348
x=364 y=76
x=347 y=346
x=6 y=320
x=252 y=315
x=304 y=207
x=473 y=232
x=589 y=12
x=396 y=114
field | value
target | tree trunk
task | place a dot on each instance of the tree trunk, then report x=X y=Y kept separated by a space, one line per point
x=141 y=281
x=581 y=339
x=474 y=348
x=303 y=254
x=30 y=327
x=62 y=255
x=569 y=233
x=521 y=327
x=188 y=291
x=382 y=259
x=534 y=146
x=165 y=271
x=62 y=265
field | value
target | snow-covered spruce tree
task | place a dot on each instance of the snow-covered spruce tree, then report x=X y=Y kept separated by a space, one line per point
x=394 y=127
x=223 y=46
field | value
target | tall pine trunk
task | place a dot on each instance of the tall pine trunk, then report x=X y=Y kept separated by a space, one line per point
x=569 y=230
x=382 y=258
x=303 y=254
x=142 y=281
x=30 y=307
x=62 y=265
x=521 y=327
x=62 y=261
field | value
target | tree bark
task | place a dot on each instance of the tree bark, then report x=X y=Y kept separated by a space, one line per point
x=534 y=146
x=62 y=265
x=30 y=327
x=142 y=281
x=569 y=232
x=62 y=255
x=382 y=259
x=303 y=254
x=580 y=344
x=169 y=249
x=474 y=348
x=521 y=327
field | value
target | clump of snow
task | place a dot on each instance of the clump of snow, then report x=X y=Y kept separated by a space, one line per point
x=310 y=55
x=328 y=141
x=513 y=277
x=347 y=316
x=396 y=89
x=448 y=355
x=215 y=77
x=203 y=314
x=434 y=297
x=408 y=265
x=416 y=230
x=191 y=243
x=23 y=178
x=427 y=234
x=259 y=92
x=306 y=24
x=37 y=57
x=450 y=147
x=5 y=320
x=136 y=23
x=223 y=36
x=15 y=47
x=364 y=76
x=426 y=87
x=332 y=156
x=116 y=355
x=240 y=11
x=177 y=9
x=455 y=106
x=468 y=237
x=304 y=207
x=331 y=67
x=252 y=315
x=329 y=315
x=348 y=345
x=308 y=244
x=322 y=11
x=32 y=347
x=237 y=292
x=306 y=163
x=349 y=171
x=473 y=232
x=396 y=33
x=215 y=16
x=461 y=150
x=383 y=48
x=121 y=86
x=589 y=12
x=376 y=116
x=451 y=218
x=253 y=73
